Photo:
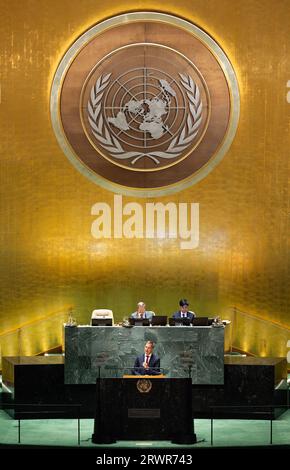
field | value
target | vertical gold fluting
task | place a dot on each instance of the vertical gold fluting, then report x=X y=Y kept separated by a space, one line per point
x=48 y=257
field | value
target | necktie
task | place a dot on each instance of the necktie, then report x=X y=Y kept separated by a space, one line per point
x=147 y=359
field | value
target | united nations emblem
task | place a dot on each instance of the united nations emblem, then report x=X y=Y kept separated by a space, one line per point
x=145 y=104
x=144 y=385
x=144 y=115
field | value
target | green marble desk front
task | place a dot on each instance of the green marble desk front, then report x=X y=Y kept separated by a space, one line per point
x=111 y=351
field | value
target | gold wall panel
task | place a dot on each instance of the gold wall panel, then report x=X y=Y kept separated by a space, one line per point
x=49 y=258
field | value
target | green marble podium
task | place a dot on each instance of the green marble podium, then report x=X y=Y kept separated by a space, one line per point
x=108 y=352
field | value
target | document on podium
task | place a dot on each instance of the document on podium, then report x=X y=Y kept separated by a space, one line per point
x=160 y=376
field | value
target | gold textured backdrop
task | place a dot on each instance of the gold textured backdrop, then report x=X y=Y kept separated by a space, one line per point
x=49 y=259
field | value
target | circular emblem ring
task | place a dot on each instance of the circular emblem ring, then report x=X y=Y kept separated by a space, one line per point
x=145 y=104
x=144 y=385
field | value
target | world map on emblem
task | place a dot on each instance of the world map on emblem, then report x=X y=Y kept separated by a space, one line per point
x=134 y=115
x=150 y=111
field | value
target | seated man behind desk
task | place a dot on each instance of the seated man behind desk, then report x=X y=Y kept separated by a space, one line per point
x=183 y=312
x=141 y=312
x=147 y=363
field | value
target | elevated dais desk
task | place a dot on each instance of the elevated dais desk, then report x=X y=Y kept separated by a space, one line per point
x=249 y=381
x=108 y=352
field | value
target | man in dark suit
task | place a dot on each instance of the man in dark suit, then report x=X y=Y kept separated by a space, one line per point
x=141 y=312
x=183 y=311
x=147 y=363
